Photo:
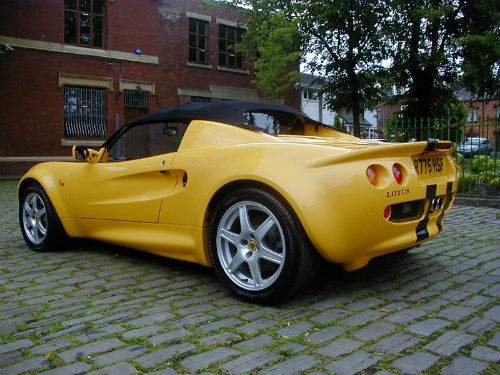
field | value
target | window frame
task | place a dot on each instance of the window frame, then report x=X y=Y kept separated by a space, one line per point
x=78 y=124
x=198 y=49
x=91 y=15
x=228 y=43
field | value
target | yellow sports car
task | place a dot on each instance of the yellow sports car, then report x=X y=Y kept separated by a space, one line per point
x=258 y=191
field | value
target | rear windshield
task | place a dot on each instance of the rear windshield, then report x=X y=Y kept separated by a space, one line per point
x=275 y=123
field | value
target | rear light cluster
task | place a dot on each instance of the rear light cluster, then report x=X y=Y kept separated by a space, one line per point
x=380 y=177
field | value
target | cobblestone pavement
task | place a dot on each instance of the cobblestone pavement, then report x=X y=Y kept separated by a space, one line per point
x=100 y=309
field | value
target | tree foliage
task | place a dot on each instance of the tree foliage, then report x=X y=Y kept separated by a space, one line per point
x=423 y=48
x=438 y=44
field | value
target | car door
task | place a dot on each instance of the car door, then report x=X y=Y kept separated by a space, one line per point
x=131 y=184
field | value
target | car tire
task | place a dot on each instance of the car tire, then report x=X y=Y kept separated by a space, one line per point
x=41 y=227
x=258 y=247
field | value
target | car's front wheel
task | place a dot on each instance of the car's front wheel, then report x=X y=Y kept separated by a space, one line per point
x=258 y=247
x=40 y=225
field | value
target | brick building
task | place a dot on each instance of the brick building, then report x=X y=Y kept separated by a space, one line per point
x=73 y=71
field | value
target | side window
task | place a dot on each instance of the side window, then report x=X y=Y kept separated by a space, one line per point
x=275 y=123
x=147 y=140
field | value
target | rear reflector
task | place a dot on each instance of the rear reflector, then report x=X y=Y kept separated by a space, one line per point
x=387 y=212
x=442 y=146
x=371 y=174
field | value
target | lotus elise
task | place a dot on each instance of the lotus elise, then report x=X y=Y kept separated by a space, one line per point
x=260 y=192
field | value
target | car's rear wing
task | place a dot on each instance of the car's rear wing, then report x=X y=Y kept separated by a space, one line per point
x=383 y=150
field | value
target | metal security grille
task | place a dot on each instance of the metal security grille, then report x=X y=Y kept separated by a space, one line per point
x=84 y=112
x=136 y=99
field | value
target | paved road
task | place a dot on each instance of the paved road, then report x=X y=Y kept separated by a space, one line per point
x=100 y=309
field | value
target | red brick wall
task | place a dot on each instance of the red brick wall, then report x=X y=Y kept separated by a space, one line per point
x=31 y=104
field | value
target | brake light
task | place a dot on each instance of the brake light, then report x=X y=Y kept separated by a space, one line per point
x=397 y=171
x=371 y=174
x=442 y=146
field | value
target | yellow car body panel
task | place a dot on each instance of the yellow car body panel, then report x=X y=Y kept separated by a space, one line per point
x=161 y=204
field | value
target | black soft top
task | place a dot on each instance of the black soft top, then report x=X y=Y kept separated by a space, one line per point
x=228 y=112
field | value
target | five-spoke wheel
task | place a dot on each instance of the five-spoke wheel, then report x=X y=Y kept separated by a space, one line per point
x=258 y=247
x=40 y=224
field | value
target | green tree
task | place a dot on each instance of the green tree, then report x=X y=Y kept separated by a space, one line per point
x=438 y=44
x=343 y=35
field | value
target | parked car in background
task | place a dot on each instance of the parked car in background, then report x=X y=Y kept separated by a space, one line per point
x=475 y=146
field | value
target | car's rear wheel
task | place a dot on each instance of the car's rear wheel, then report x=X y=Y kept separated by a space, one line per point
x=40 y=225
x=258 y=247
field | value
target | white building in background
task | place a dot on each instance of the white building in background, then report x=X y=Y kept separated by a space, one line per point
x=312 y=105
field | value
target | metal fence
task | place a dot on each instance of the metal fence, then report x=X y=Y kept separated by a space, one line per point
x=477 y=152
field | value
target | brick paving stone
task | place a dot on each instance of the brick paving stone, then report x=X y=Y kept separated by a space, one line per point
x=330 y=302
x=250 y=362
x=292 y=366
x=160 y=356
x=464 y=366
x=493 y=314
x=405 y=316
x=485 y=353
x=153 y=318
x=74 y=369
x=294 y=314
x=25 y=366
x=88 y=349
x=362 y=317
x=415 y=363
x=478 y=326
x=291 y=347
x=119 y=355
x=51 y=347
x=122 y=368
x=252 y=315
x=493 y=291
x=395 y=343
x=219 y=338
x=456 y=312
x=373 y=331
x=169 y=371
x=218 y=324
x=294 y=329
x=169 y=337
x=19 y=344
x=83 y=319
x=450 y=342
x=428 y=327
x=495 y=341
x=198 y=361
x=10 y=357
x=363 y=304
x=326 y=334
x=339 y=347
x=354 y=363
x=329 y=315
x=142 y=332
x=433 y=305
x=256 y=342
x=64 y=332
x=189 y=320
x=230 y=310
x=257 y=325
x=111 y=329
x=21 y=310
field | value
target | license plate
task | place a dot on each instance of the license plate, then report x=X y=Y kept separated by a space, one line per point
x=429 y=167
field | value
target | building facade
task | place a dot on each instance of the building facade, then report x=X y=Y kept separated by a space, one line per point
x=73 y=71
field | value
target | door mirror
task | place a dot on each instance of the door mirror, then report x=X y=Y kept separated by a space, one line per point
x=80 y=152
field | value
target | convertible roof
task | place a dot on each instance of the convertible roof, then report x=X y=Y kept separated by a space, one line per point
x=229 y=112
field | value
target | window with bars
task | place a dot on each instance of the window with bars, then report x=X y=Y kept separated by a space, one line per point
x=228 y=37
x=84 y=112
x=135 y=99
x=84 y=22
x=198 y=41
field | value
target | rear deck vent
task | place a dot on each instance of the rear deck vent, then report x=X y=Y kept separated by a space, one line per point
x=407 y=210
